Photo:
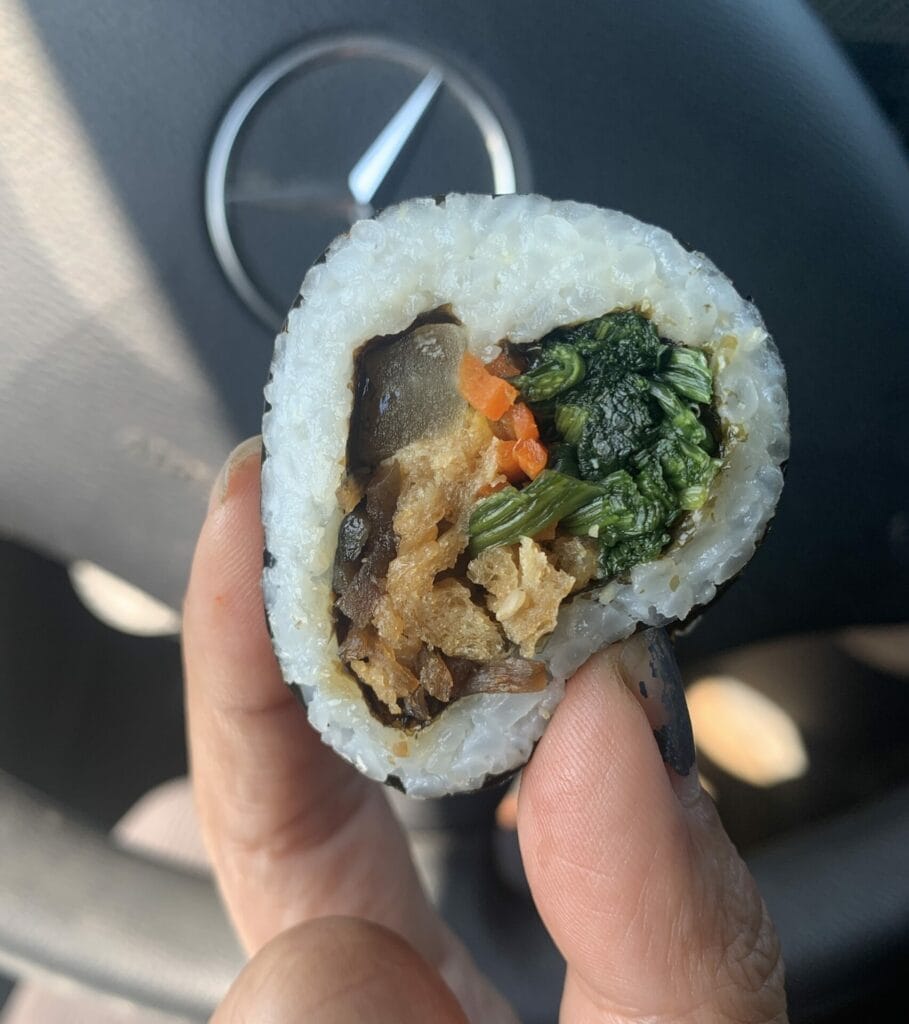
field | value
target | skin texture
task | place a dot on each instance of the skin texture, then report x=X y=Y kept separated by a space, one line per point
x=296 y=978
x=628 y=863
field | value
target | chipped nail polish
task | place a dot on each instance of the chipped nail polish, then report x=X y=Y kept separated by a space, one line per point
x=648 y=666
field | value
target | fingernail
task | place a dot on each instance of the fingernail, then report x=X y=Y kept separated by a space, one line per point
x=245 y=450
x=648 y=666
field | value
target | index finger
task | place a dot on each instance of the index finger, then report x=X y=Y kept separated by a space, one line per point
x=293 y=831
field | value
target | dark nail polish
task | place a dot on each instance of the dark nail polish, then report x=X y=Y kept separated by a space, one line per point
x=652 y=674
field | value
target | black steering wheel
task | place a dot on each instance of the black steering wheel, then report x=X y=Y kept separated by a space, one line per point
x=133 y=354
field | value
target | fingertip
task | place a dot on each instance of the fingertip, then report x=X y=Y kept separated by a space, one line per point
x=293 y=830
x=598 y=754
x=224 y=619
x=225 y=484
x=339 y=969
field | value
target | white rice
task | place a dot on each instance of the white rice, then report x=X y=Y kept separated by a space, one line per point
x=516 y=267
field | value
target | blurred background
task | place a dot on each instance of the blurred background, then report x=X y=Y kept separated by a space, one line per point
x=167 y=173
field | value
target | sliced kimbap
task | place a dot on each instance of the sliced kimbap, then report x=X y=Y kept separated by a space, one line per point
x=501 y=433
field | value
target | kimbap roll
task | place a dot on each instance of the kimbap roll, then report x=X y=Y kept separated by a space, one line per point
x=501 y=433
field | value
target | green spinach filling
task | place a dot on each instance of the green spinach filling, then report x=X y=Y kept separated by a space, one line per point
x=623 y=413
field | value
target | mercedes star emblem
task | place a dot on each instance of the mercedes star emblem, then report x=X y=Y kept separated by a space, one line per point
x=333 y=129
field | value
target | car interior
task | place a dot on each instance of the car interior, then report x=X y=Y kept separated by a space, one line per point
x=168 y=172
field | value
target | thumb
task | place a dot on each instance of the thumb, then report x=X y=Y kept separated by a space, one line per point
x=633 y=874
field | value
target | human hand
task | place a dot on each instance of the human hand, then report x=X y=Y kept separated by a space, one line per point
x=632 y=873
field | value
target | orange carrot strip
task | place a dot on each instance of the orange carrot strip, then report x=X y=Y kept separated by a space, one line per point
x=489 y=395
x=532 y=457
x=518 y=424
x=524 y=425
x=507 y=461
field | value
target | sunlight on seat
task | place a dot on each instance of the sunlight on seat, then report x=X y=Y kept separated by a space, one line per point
x=744 y=732
x=120 y=604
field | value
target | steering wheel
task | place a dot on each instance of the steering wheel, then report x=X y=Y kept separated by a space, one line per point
x=137 y=335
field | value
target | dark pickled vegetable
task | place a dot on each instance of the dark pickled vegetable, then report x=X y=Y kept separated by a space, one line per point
x=687 y=370
x=617 y=341
x=509 y=514
x=558 y=368
x=678 y=414
x=638 y=509
x=363 y=587
x=688 y=468
x=631 y=552
x=414 y=707
x=405 y=389
x=570 y=421
x=621 y=421
x=630 y=518
x=435 y=676
x=621 y=510
x=353 y=534
x=564 y=458
x=632 y=422
x=506 y=675
x=352 y=537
